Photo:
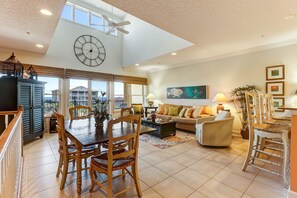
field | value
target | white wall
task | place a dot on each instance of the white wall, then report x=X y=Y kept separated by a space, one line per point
x=146 y=41
x=226 y=74
x=61 y=54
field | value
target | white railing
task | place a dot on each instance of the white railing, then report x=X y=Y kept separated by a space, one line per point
x=11 y=155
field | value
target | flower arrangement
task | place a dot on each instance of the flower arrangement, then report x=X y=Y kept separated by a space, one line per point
x=101 y=111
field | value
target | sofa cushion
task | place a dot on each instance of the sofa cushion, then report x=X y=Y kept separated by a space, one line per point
x=166 y=109
x=189 y=112
x=197 y=111
x=206 y=110
x=173 y=111
x=161 y=109
x=182 y=112
x=222 y=115
x=184 y=120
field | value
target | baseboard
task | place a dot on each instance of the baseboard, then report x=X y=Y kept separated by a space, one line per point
x=292 y=194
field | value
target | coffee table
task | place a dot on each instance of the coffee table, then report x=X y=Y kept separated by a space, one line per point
x=163 y=128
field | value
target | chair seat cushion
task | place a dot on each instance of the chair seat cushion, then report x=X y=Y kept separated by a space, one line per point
x=72 y=148
x=102 y=159
x=272 y=128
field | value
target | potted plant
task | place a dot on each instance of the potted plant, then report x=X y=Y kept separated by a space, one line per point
x=239 y=101
x=101 y=110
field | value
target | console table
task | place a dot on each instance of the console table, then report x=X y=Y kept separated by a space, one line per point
x=148 y=107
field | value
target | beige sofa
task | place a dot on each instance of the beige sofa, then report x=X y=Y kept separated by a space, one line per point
x=183 y=123
x=215 y=130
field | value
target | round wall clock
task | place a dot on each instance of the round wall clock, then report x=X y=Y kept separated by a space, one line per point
x=89 y=50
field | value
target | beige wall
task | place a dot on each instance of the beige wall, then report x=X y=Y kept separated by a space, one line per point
x=225 y=74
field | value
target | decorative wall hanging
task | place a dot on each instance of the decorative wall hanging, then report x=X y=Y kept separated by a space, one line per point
x=275 y=72
x=190 y=92
x=275 y=88
x=278 y=102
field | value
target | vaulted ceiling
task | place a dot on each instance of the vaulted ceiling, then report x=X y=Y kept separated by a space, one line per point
x=218 y=28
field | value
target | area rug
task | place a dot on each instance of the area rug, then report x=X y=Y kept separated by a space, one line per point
x=179 y=138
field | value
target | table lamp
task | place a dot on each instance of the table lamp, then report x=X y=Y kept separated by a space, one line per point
x=150 y=99
x=220 y=98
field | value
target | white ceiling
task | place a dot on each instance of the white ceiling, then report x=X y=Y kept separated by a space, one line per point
x=19 y=17
x=218 y=28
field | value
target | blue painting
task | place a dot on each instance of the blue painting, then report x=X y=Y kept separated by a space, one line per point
x=191 y=92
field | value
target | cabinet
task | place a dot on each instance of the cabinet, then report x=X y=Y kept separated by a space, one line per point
x=29 y=94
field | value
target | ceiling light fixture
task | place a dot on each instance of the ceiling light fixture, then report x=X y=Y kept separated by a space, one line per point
x=39 y=45
x=137 y=65
x=173 y=53
x=46 y=12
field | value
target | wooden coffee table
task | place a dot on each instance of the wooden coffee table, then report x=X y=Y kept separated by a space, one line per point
x=163 y=128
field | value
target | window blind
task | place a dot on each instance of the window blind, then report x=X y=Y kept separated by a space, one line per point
x=130 y=79
x=46 y=71
x=71 y=73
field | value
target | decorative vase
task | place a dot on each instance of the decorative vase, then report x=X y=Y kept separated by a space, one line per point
x=154 y=117
x=99 y=124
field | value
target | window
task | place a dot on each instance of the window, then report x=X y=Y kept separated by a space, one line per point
x=81 y=16
x=67 y=12
x=119 y=97
x=52 y=94
x=97 y=88
x=78 y=93
x=136 y=94
x=97 y=22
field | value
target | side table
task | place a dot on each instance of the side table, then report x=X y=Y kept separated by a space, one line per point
x=148 y=107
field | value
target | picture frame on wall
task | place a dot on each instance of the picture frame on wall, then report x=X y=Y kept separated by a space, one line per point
x=275 y=88
x=275 y=72
x=278 y=102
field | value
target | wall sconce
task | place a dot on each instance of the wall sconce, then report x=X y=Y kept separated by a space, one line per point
x=220 y=98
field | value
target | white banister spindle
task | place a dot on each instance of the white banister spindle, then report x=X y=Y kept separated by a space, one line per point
x=11 y=156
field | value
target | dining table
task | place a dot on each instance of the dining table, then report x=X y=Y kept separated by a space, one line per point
x=293 y=155
x=84 y=133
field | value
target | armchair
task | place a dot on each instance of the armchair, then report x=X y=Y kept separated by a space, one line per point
x=215 y=130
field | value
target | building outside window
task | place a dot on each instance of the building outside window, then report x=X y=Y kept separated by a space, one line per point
x=119 y=96
x=52 y=94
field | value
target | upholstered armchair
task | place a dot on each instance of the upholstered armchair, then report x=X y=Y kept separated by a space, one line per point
x=215 y=130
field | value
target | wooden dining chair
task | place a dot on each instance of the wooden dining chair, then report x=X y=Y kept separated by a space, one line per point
x=126 y=111
x=68 y=152
x=80 y=112
x=262 y=131
x=122 y=159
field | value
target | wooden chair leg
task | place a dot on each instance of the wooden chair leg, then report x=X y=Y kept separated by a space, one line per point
x=86 y=162
x=249 y=153
x=59 y=165
x=286 y=159
x=109 y=183
x=64 y=173
x=136 y=180
x=257 y=146
x=92 y=175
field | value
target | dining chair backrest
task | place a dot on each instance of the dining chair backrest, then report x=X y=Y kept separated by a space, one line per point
x=62 y=138
x=133 y=124
x=252 y=107
x=126 y=111
x=79 y=112
x=266 y=107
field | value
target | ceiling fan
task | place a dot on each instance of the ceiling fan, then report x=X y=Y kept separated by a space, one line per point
x=116 y=26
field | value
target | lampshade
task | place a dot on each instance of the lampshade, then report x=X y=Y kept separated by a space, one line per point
x=219 y=98
x=150 y=96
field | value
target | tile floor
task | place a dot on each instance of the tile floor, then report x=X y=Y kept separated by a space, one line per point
x=184 y=170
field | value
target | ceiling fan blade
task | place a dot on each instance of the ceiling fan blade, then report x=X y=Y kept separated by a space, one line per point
x=106 y=19
x=96 y=24
x=122 y=30
x=123 y=23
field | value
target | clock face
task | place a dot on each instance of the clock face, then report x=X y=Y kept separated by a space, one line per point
x=89 y=50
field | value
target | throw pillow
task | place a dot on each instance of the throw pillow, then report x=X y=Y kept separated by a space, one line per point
x=222 y=115
x=189 y=112
x=182 y=112
x=173 y=111
x=137 y=108
x=161 y=109
x=166 y=109
x=197 y=111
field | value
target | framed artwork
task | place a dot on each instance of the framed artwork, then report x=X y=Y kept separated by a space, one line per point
x=275 y=88
x=275 y=72
x=191 y=92
x=278 y=102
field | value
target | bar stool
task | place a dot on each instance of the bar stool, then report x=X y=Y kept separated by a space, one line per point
x=257 y=131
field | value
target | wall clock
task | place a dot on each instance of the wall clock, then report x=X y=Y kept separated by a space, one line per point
x=89 y=50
